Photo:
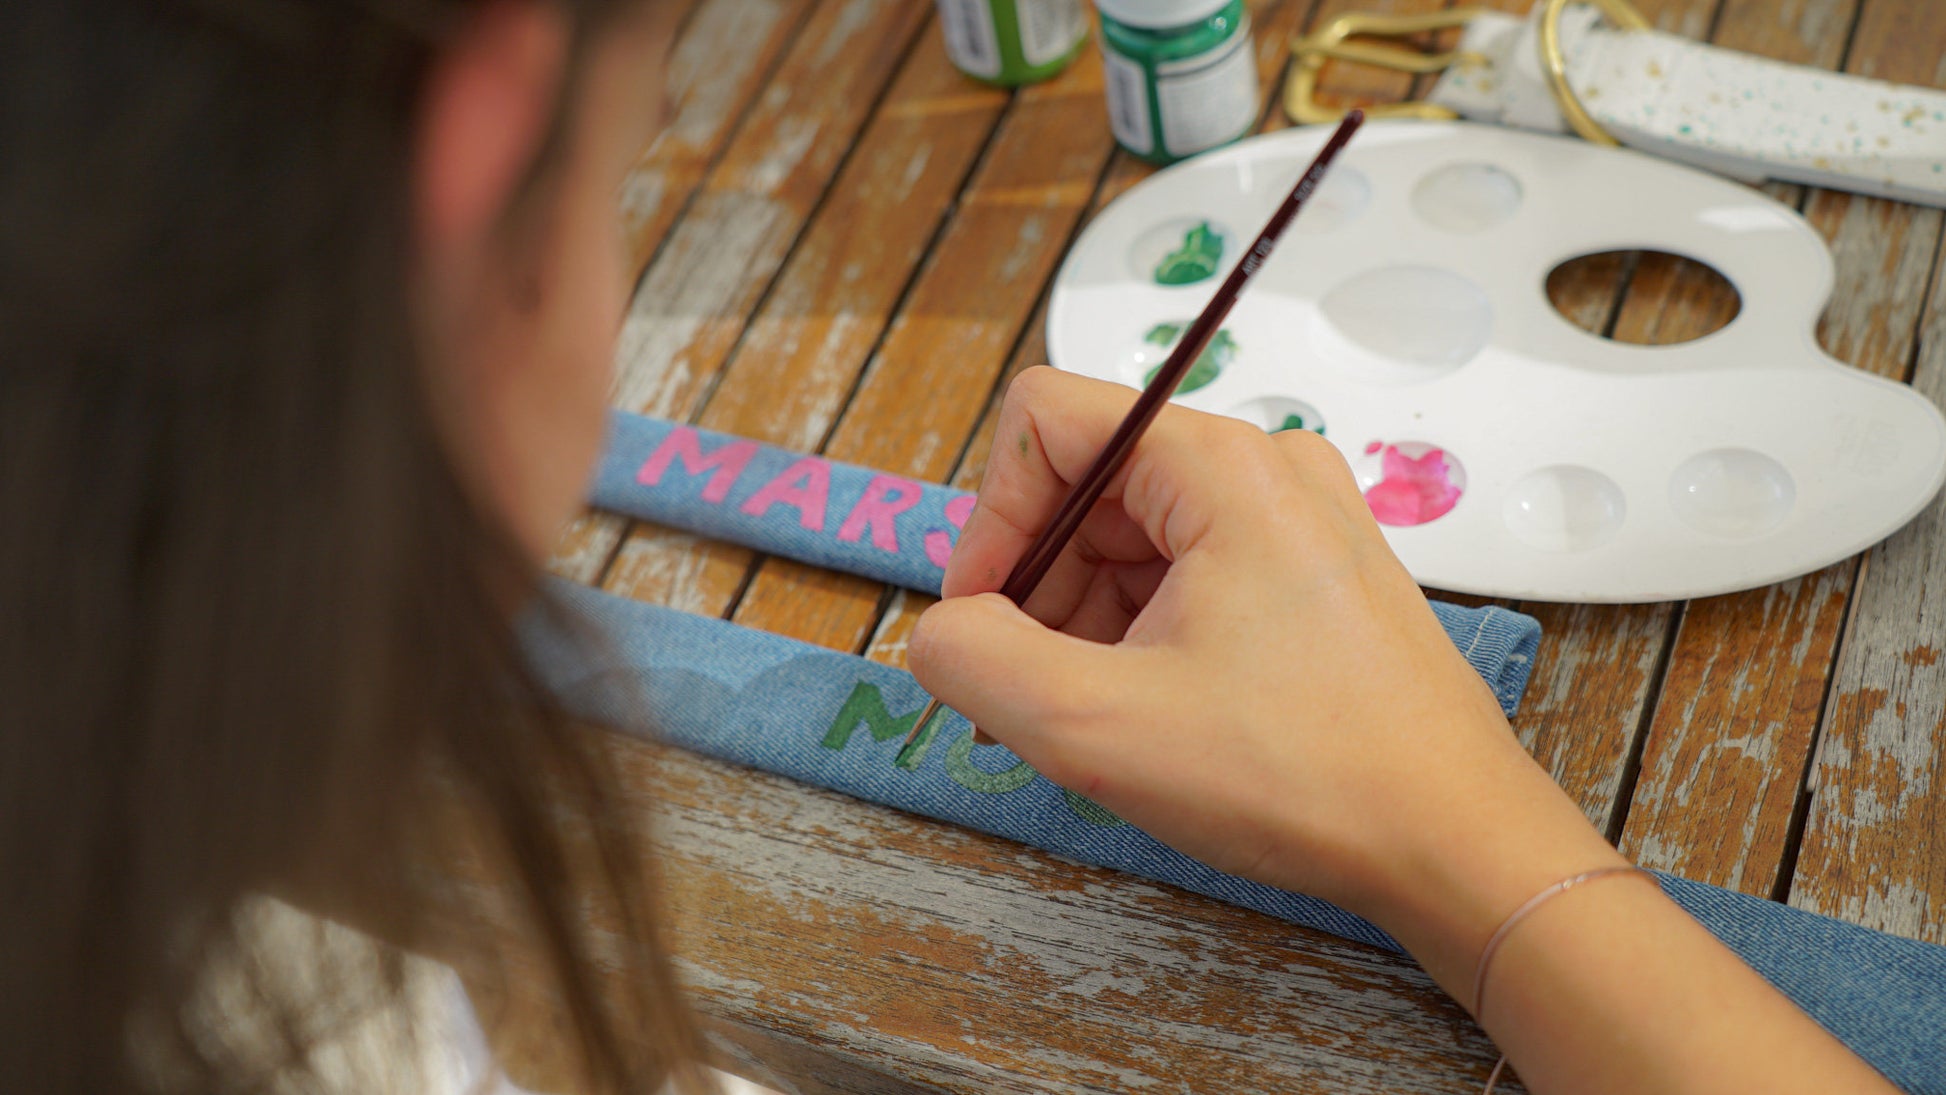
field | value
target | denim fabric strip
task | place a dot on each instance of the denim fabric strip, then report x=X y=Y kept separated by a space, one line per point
x=885 y=527
x=836 y=720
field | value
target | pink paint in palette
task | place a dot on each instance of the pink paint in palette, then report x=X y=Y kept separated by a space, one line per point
x=1409 y=483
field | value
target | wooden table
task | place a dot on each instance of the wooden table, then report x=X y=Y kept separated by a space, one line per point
x=846 y=248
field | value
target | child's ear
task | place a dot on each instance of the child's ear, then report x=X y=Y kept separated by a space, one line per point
x=484 y=112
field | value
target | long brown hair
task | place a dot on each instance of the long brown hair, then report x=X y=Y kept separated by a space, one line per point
x=254 y=636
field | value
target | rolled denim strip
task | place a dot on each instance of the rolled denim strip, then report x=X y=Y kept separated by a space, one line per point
x=886 y=527
x=836 y=721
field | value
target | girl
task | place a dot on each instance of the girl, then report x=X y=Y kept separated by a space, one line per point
x=304 y=308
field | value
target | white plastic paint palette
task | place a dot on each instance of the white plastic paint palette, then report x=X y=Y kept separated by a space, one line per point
x=1506 y=451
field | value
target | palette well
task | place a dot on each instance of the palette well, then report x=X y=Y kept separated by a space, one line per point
x=1505 y=451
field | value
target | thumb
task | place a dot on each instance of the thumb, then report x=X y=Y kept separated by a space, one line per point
x=1012 y=676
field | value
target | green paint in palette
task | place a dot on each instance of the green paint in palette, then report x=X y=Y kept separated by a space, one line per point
x=1198 y=257
x=1217 y=356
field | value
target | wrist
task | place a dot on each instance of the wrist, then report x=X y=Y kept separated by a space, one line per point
x=1465 y=860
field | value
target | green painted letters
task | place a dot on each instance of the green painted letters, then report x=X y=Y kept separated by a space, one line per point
x=1091 y=811
x=959 y=765
x=866 y=704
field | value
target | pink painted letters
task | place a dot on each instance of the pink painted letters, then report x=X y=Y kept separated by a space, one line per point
x=727 y=461
x=806 y=485
x=885 y=497
x=939 y=542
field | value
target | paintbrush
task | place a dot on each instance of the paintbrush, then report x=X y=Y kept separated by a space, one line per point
x=1040 y=556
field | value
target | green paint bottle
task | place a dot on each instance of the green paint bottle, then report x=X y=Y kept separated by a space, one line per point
x=1012 y=42
x=1181 y=75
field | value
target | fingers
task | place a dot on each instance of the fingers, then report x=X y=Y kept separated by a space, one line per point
x=1115 y=594
x=1323 y=468
x=1024 y=483
x=1270 y=501
x=1051 y=429
x=1017 y=680
x=1106 y=539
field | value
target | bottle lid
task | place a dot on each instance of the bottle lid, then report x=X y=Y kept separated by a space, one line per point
x=1160 y=14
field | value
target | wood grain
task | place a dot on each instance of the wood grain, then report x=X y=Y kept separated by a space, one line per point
x=692 y=302
x=716 y=66
x=1725 y=753
x=805 y=348
x=928 y=958
x=919 y=395
x=1873 y=850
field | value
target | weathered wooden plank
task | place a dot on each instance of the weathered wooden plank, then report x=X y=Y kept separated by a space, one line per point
x=715 y=67
x=1723 y=763
x=691 y=305
x=790 y=1066
x=805 y=347
x=1740 y=703
x=721 y=59
x=1587 y=289
x=922 y=390
x=1873 y=849
x=1883 y=251
x=1596 y=676
x=1670 y=772
x=853 y=950
x=1593 y=679
x=902 y=612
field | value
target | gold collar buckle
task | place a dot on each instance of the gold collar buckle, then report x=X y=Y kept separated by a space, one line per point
x=1332 y=42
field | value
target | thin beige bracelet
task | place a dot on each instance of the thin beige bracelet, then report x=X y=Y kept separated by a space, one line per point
x=1507 y=926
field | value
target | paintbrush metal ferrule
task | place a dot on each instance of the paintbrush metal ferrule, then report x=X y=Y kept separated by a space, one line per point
x=916 y=738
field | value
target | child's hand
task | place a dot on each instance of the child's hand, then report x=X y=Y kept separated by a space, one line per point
x=1228 y=655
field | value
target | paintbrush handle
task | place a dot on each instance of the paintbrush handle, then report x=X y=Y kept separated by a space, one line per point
x=1040 y=556
x=1047 y=547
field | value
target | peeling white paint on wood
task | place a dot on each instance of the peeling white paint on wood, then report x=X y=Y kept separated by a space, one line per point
x=960 y=922
x=1875 y=838
x=717 y=47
